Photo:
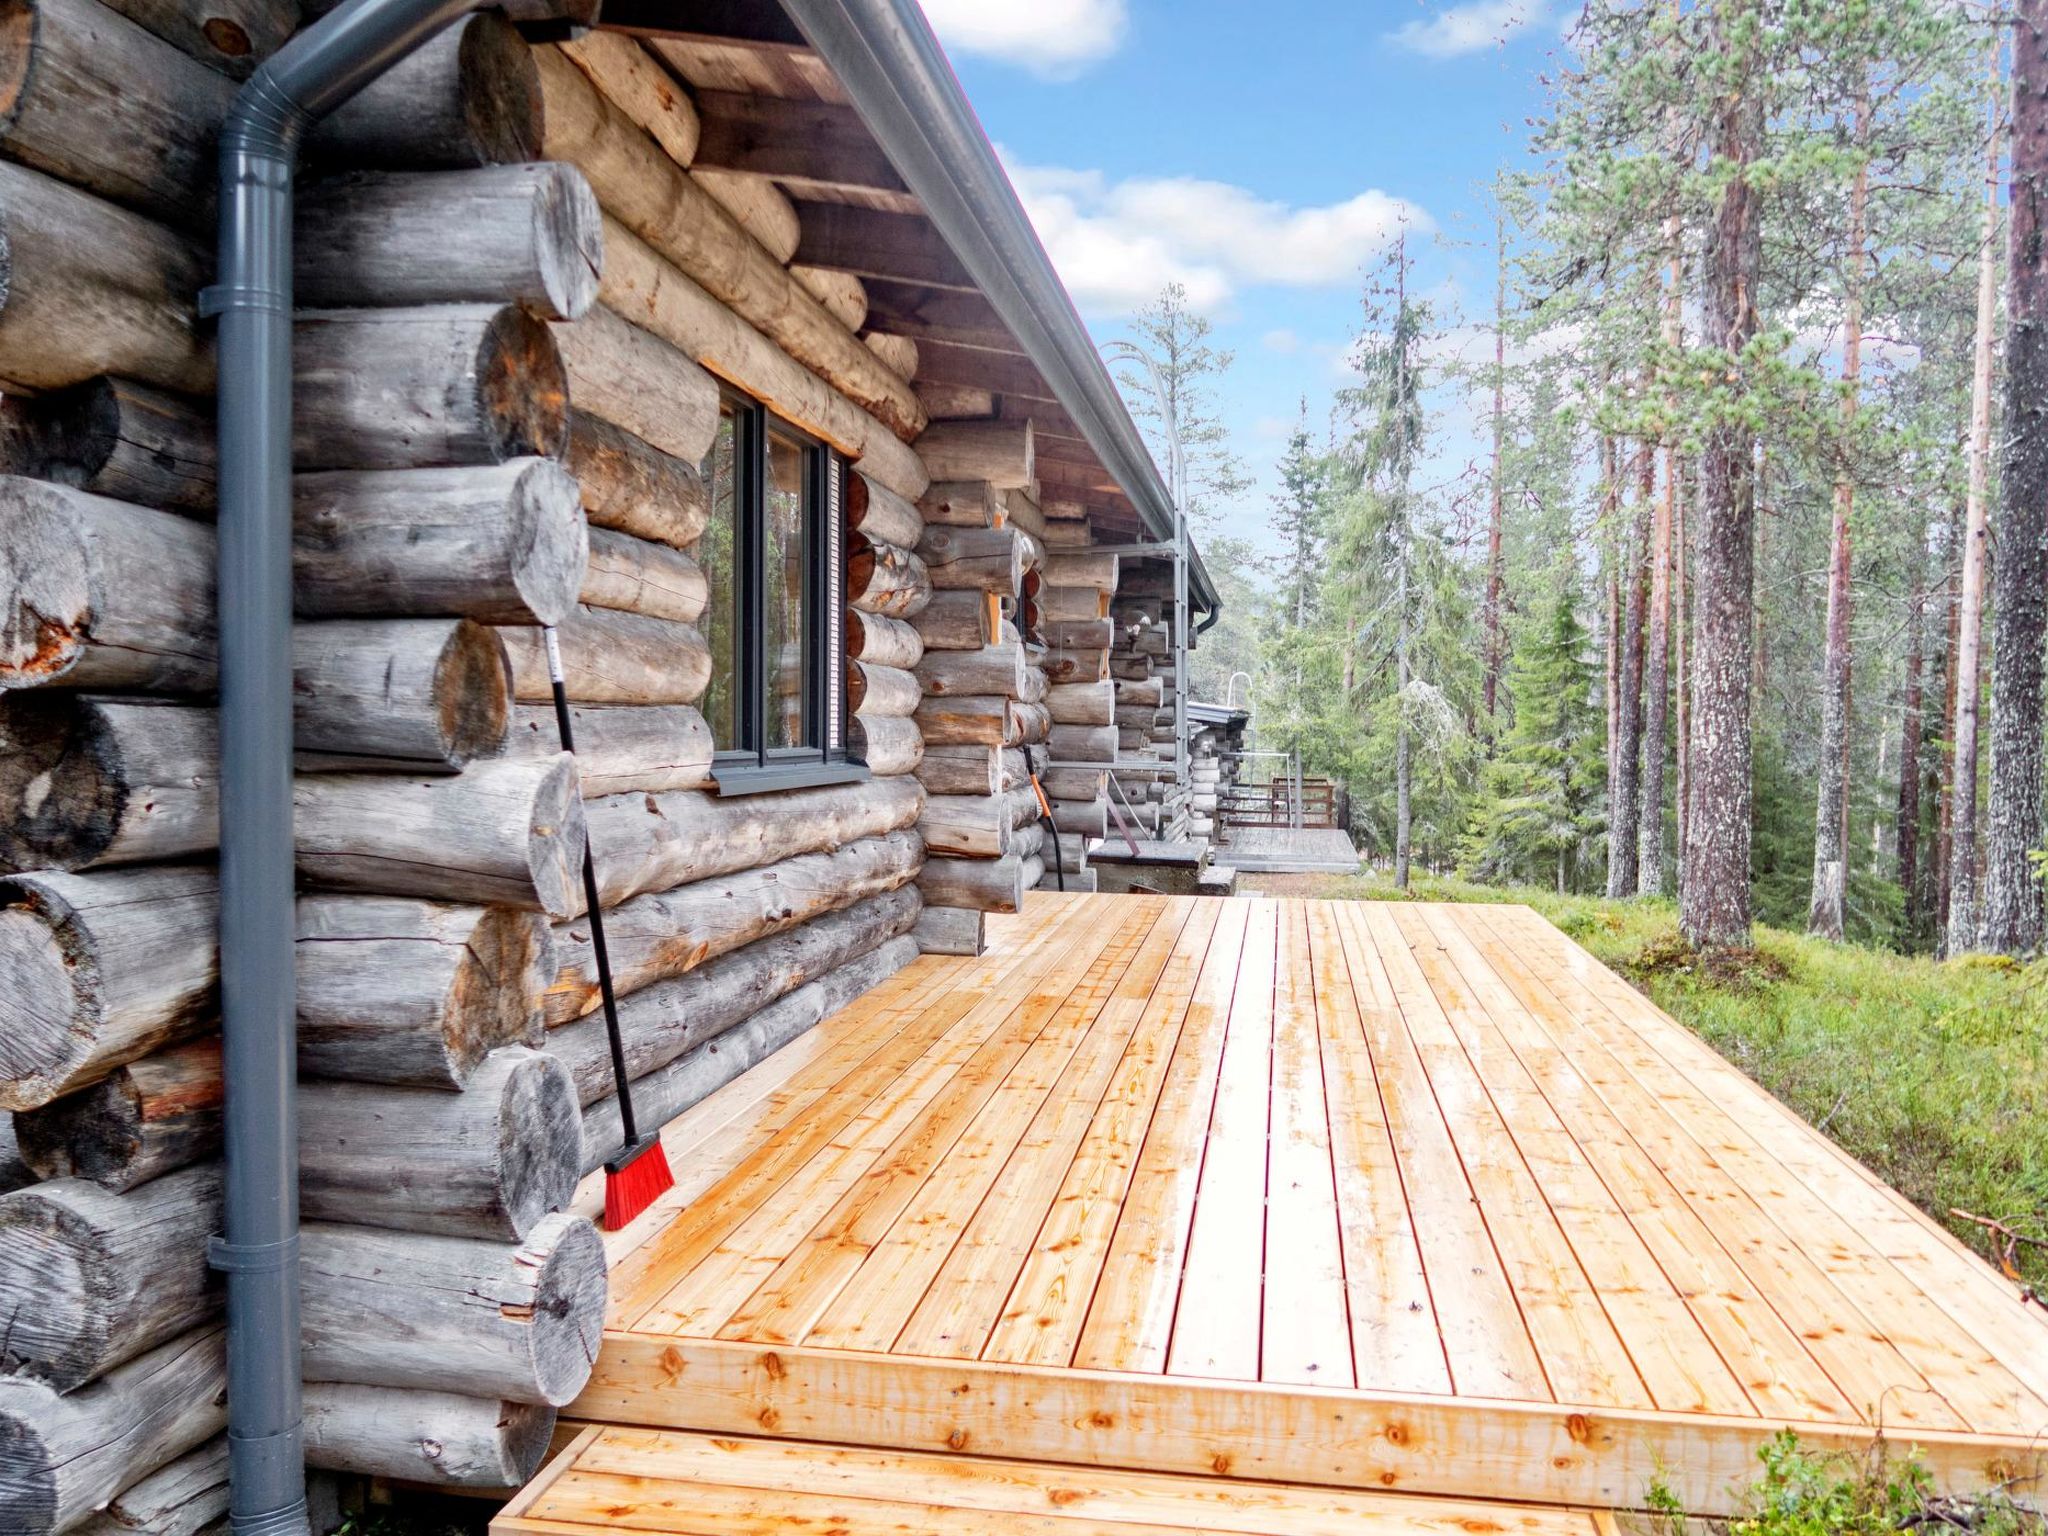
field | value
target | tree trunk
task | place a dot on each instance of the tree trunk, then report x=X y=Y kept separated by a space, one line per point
x=1714 y=905
x=1657 y=656
x=1490 y=619
x=1824 y=913
x=489 y=1162
x=511 y=234
x=631 y=486
x=1625 y=794
x=1907 y=843
x=143 y=1121
x=427 y=1312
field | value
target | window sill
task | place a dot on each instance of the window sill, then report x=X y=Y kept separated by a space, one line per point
x=751 y=779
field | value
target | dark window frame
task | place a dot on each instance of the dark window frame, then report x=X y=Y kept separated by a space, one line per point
x=759 y=768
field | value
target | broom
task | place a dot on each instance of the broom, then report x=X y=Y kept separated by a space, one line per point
x=639 y=1175
x=1059 y=860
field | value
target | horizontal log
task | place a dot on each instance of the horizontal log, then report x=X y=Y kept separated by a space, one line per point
x=427 y=1312
x=632 y=575
x=424 y=1437
x=647 y=843
x=188 y=1497
x=139 y=1123
x=965 y=826
x=661 y=1023
x=90 y=289
x=1029 y=842
x=994 y=670
x=640 y=383
x=842 y=294
x=1071 y=605
x=666 y=934
x=90 y=1279
x=639 y=87
x=659 y=201
x=504 y=543
x=488 y=1162
x=957 y=621
x=1001 y=453
x=508 y=234
x=100 y=970
x=622 y=748
x=1083 y=743
x=412 y=695
x=631 y=486
x=87 y=781
x=1027 y=517
x=1031 y=723
x=886 y=642
x=962 y=770
x=116 y=439
x=232 y=36
x=1072 y=784
x=468 y=96
x=880 y=514
x=977 y=559
x=1081 y=818
x=963 y=504
x=424 y=387
x=501 y=833
x=1140 y=716
x=759 y=207
x=1076 y=569
x=1128 y=667
x=97 y=593
x=1147 y=690
x=415 y=993
x=986 y=885
x=695 y=1076
x=950 y=402
x=1083 y=882
x=886 y=745
x=610 y=657
x=643 y=285
x=881 y=692
x=899 y=353
x=881 y=578
x=952 y=931
x=69 y=1455
x=1079 y=634
x=1064 y=535
x=976 y=720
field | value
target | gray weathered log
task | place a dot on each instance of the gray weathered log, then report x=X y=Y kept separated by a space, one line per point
x=956 y=621
x=881 y=692
x=14 y=1173
x=632 y=486
x=952 y=931
x=1076 y=666
x=965 y=826
x=662 y=1022
x=407 y=695
x=994 y=670
x=1083 y=744
x=488 y=1162
x=622 y=748
x=66 y=63
x=90 y=1279
x=639 y=383
x=1001 y=453
x=1062 y=606
x=507 y=234
x=1083 y=703
x=663 y=1095
x=100 y=970
x=989 y=885
x=500 y=833
x=885 y=642
x=880 y=514
x=65 y=1457
x=1150 y=690
x=416 y=993
x=437 y=385
x=1074 y=568
x=610 y=657
x=1080 y=634
x=504 y=543
x=425 y=1437
x=87 y=781
x=963 y=504
x=88 y=288
x=187 y=1498
x=665 y=934
x=658 y=842
x=1081 y=818
x=113 y=438
x=881 y=578
x=97 y=593
x=136 y=1124
x=973 y=559
x=976 y=720
x=888 y=746
x=1075 y=783
x=409 y=1309
x=633 y=575
x=961 y=769
x=232 y=36
x=469 y=96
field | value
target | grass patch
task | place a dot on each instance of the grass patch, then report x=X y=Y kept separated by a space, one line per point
x=1933 y=1073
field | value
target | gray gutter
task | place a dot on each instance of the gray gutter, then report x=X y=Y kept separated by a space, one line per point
x=897 y=78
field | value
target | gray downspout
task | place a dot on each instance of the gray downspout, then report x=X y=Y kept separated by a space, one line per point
x=310 y=76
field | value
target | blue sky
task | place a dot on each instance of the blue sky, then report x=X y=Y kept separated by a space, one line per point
x=1263 y=153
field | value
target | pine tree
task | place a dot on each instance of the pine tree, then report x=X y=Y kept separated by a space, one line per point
x=1176 y=338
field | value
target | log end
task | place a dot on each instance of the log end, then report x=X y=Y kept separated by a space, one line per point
x=540 y=1138
x=523 y=387
x=568 y=236
x=29 y=1462
x=62 y=789
x=555 y=838
x=46 y=576
x=495 y=998
x=501 y=99
x=473 y=694
x=553 y=552
x=55 y=1294
x=49 y=987
x=569 y=1303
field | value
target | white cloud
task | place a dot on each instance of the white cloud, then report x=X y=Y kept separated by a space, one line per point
x=1054 y=38
x=1470 y=28
x=1117 y=244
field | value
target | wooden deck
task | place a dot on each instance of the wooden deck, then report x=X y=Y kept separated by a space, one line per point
x=1372 y=1197
x=1288 y=851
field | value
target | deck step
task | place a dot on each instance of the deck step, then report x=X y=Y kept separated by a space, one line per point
x=673 y=1481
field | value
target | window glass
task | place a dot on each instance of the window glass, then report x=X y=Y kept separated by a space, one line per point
x=785 y=570
x=718 y=552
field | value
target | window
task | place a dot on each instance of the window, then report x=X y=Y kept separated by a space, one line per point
x=772 y=555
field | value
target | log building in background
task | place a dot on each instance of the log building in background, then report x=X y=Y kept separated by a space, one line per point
x=641 y=335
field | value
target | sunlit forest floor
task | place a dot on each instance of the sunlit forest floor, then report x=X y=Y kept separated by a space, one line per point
x=1934 y=1074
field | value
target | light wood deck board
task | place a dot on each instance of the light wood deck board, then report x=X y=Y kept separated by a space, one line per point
x=1318 y=1192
